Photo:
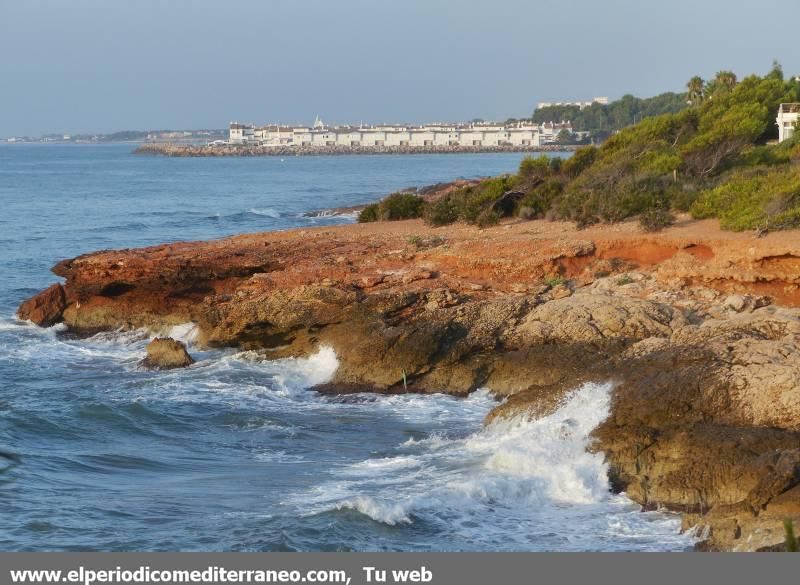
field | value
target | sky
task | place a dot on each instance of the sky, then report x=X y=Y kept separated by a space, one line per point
x=83 y=66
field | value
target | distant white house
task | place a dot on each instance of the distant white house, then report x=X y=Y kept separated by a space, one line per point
x=598 y=100
x=788 y=116
x=241 y=133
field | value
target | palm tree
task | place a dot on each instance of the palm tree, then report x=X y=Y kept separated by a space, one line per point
x=724 y=81
x=695 y=87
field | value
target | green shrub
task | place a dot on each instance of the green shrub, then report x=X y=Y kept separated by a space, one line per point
x=395 y=207
x=754 y=198
x=764 y=156
x=540 y=199
x=441 y=212
x=534 y=168
x=682 y=197
x=469 y=204
x=487 y=217
x=399 y=206
x=369 y=214
x=656 y=218
x=579 y=161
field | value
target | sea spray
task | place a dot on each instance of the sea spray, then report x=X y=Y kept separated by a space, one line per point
x=516 y=484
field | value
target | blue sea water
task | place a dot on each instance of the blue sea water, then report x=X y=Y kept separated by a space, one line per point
x=234 y=453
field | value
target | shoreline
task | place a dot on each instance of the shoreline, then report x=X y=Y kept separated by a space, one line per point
x=182 y=150
x=698 y=329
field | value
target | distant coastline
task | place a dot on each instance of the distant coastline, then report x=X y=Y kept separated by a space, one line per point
x=187 y=150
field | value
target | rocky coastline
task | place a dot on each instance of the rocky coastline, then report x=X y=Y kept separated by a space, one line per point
x=191 y=150
x=699 y=330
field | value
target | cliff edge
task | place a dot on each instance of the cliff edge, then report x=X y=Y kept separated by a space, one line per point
x=698 y=328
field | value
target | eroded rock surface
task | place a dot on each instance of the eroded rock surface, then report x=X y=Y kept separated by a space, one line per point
x=165 y=353
x=46 y=308
x=699 y=334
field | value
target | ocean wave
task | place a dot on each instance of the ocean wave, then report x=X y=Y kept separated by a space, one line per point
x=329 y=216
x=386 y=512
x=480 y=489
x=185 y=332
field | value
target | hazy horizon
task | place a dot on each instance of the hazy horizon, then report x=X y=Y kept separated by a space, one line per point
x=91 y=66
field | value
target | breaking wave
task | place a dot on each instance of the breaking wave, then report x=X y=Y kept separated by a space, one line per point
x=514 y=485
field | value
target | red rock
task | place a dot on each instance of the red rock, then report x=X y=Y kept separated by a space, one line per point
x=44 y=309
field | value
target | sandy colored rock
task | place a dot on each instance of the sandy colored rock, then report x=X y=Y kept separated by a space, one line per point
x=165 y=353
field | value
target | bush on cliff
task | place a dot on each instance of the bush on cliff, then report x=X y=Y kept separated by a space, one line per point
x=656 y=218
x=370 y=213
x=472 y=204
x=441 y=212
x=395 y=207
x=757 y=198
x=538 y=200
x=678 y=161
x=714 y=158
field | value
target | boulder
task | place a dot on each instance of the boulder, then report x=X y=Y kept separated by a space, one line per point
x=165 y=353
x=44 y=309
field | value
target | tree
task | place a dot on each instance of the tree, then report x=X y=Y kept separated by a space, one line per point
x=695 y=88
x=564 y=137
x=722 y=83
x=777 y=70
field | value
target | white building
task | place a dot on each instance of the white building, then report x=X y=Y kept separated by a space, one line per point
x=519 y=134
x=524 y=135
x=788 y=120
x=241 y=133
x=597 y=100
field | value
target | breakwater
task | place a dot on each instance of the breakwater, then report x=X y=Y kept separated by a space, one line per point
x=187 y=150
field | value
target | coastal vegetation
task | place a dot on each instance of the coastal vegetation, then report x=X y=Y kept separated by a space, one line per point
x=716 y=158
x=394 y=207
x=601 y=120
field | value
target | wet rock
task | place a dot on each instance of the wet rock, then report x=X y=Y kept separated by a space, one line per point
x=46 y=308
x=165 y=353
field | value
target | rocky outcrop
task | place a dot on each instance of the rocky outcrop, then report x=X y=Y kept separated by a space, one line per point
x=165 y=353
x=46 y=308
x=699 y=335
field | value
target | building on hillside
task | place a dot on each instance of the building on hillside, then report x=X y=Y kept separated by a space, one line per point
x=788 y=120
x=597 y=100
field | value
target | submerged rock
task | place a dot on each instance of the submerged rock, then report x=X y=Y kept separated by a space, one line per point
x=45 y=309
x=165 y=353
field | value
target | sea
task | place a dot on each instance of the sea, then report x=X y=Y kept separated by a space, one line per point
x=235 y=453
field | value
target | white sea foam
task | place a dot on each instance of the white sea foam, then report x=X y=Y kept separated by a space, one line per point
x=514 y=485
x=380 y=511
x=293 y=374
x=185 y=332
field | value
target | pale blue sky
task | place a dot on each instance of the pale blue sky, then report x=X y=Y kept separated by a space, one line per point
x=104 y=65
